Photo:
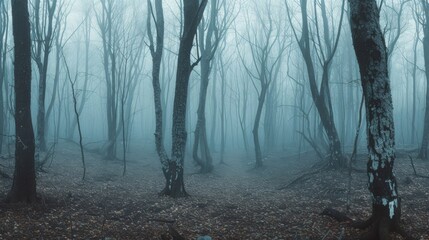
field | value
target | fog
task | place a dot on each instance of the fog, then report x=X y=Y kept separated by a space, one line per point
x=271 y=102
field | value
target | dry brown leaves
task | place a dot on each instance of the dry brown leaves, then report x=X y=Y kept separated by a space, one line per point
x=231 y=203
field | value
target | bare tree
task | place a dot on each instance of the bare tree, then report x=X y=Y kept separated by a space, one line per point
x=371 y=53
x=423 y=153
x=109 y=26
x=44 y=30
x=24 y=180
x=156 y=52
x=321 y=95
x=267 y=45
x=416 y=42
x=192 y=14
x=84 y=89
x=76 y=112
x=4 y=19
x=210 y=33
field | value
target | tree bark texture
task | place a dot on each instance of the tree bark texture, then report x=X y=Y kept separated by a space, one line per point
x=43 y=49
x=192 y=13
x=156 y=52
x=24 y=180
x=372 y=57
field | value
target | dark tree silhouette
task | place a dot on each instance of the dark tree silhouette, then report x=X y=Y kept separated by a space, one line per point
x=156 y=52
x=192 y=13
x=44 y=30
x=372 y=56
x=24 y=180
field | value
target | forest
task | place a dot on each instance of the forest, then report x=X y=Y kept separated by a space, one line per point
x=214 y=119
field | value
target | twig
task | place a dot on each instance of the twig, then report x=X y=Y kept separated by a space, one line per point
x=303 y=177
x=415 y=172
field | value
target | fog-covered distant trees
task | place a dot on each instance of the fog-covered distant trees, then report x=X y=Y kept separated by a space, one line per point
x=4 y=35
x=266 y=46
x=320 y=39
x=122 y=54
x=423 y=19
x=45 y=22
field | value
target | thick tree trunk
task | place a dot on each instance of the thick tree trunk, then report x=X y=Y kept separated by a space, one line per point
x=24 y=180
x=192 y=12
x=371 y=54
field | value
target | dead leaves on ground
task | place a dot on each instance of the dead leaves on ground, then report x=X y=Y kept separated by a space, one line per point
x=231 y=203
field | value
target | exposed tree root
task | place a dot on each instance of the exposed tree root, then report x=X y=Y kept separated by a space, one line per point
x=337 y=215
x=379 y=228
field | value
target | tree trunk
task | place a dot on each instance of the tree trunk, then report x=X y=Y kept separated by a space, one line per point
x=42 y=61
x=200 y=140
x=222 y=113
x=255 y=131
x=192 y=12
x=371 y=54
x=24 y=180
x=156 y=68
x=322 y=97
x=423 y=154
x=3 y=51
x=215 y=114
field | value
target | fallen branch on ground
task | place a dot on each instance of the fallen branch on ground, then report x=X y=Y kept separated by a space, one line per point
x=305 y=176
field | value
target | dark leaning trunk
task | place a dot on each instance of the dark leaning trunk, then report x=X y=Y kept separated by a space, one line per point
x=200 y=141
x=255 y=131
x=371 y=54
x=336 y=156
x=24 y=180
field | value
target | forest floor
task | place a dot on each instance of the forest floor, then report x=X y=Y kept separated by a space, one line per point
x=233 y=202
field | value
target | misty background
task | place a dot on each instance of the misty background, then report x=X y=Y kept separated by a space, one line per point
x=289 y=115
